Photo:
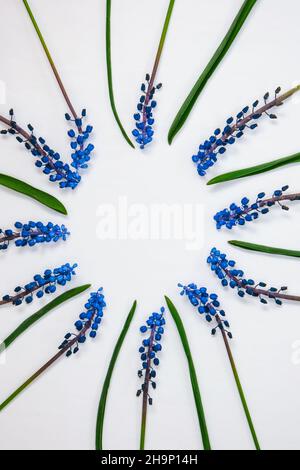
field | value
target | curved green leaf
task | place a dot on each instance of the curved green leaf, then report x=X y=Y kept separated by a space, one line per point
x=265 y=249
x=103 y=398
x=255 y=170
x=193 y=375
x=190 y=101
x=41 y=313
x=109 y=73
x=40 y=196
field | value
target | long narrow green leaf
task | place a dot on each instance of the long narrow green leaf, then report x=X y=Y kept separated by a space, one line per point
x=223 y=48
x=41 y=313
x=193 y=375
x=255 y=170
x=109 y=73
x=104 y=393
x=265 y=249
x=40 y=196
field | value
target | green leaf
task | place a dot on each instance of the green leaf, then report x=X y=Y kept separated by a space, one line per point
x=193 y=375
x=255 y=170
x=109 y=73
x=40 y=196
x=41 y=313
x=104 y=393
x=265 y=249
x=190 y=101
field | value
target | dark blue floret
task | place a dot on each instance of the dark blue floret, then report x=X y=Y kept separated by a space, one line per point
x=42 y=284
x=143 y=132
x=89 y=321
x=246 y=212
x=151 y=345
x=233 y=130
x=67 y=176
x=32 y=233
x=225 y=270
x=207 y=305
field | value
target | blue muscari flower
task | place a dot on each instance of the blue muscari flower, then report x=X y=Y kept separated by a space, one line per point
x=229 y=275
x=151 y=345
x=207 y=305
x=32 y=233
x=41 y=284
x=89 y=321
x=67 y=176
x=234 y=129
x=247 y=212
x=144 y=120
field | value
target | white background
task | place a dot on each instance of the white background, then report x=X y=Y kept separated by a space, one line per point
x=59 y=410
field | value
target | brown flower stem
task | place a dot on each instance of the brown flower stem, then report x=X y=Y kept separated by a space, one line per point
x=46 y=366
x=243 y=122
x=13 y=125
x=259 y=292
x=283 y=197
x=22 y=294
x=157 y=59
x=9 y=238
x=16 y=235
x=274 y=199
x=146 y=391
x=51 y=62
x=238 y=383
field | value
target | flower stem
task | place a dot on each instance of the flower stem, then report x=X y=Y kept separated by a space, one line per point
x=238 y=384
x=31 y=379
x=22 y=294
x=12 y=124
x=146 y=391
x=143 y=425
x=15 y=235
x=157 y=60
x=260 y=292
x=45 y=366
x=163 y=36
x=51 y=62
x=277 y=101
x=9 y=238
x=28 y=138
x=264 y=202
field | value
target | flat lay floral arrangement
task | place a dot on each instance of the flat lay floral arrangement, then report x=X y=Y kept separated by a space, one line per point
x=238 y=289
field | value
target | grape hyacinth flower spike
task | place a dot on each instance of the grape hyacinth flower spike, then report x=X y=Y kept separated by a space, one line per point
x=67 y=176
x=32 y=233
x=225 y=269
x=209 y=307
x=75 y=117
x=247 y=212
x=151 y=346
x=235 y=128
x=41 y=284
x=90 y=320
x=143 y=132
x=47 y=159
